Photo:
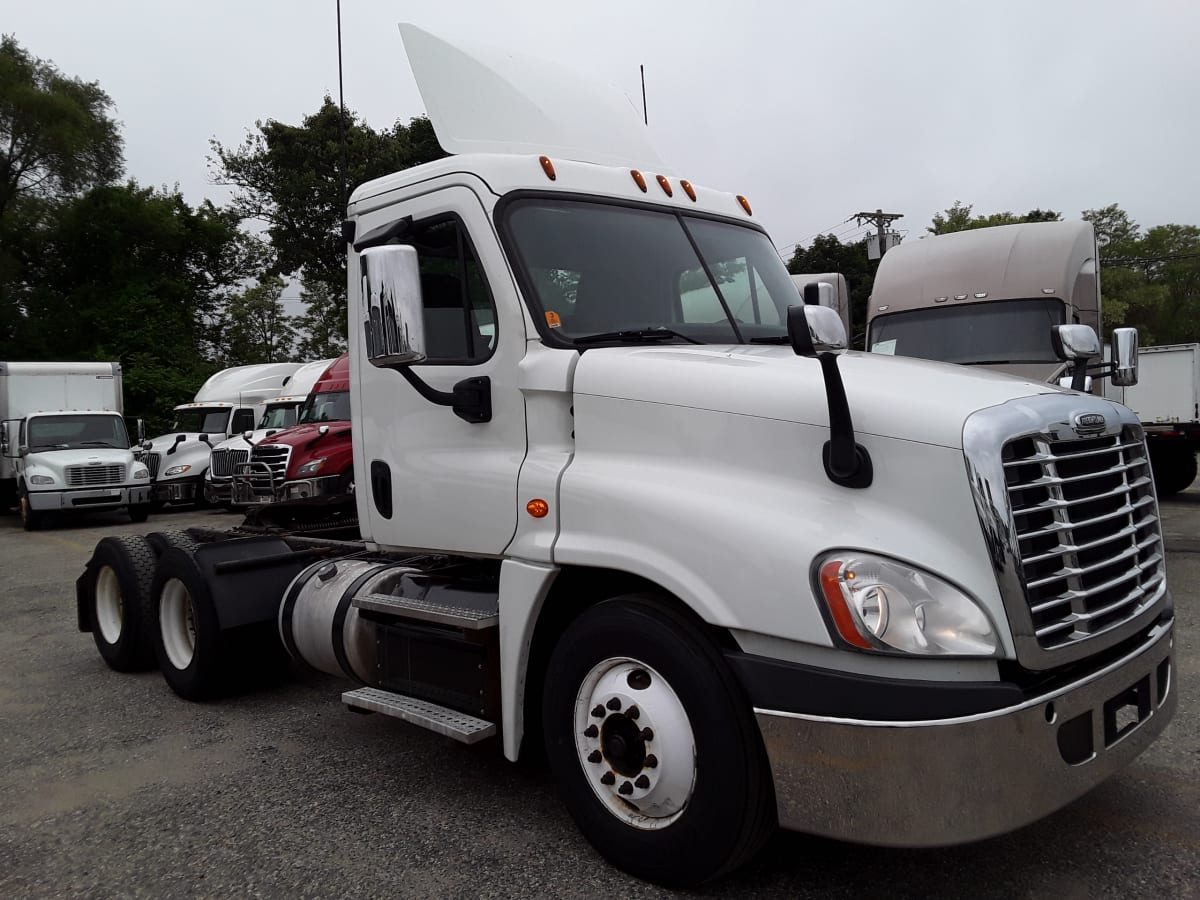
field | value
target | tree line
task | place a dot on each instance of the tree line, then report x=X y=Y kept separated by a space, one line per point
x=94 y=266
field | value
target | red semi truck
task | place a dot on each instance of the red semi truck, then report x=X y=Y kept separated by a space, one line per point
x=312 y=458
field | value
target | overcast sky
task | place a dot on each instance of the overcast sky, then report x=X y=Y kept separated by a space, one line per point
x=813 y=110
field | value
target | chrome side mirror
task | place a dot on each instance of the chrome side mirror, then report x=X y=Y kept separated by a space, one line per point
x=1075 y=342
x=141 y=431
x=815 y=329
x=394 y=324
x=1124 y=357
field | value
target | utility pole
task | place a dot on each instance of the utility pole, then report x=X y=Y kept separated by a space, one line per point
x=880 y=220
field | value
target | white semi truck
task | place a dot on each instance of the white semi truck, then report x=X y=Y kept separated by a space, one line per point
x=63 y=441
x=728 y=576
x=228 y=403
x=279 y=413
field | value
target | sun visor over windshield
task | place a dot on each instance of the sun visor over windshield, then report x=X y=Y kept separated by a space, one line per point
x=488 y=100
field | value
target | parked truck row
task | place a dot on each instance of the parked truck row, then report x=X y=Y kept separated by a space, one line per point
x=620 y=502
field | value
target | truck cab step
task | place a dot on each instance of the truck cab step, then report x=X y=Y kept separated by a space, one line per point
x=443 y=720
x=425 y=610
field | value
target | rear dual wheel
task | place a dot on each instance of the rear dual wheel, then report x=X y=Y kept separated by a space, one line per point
x=654 y=745
x=118 y=598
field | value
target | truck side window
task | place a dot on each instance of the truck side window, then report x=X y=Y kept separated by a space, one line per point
x=243 y=420
x=460 y=317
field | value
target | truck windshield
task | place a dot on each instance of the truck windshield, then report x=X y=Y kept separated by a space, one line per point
x=993 y=332
x=329 y=406
x=278 y=417
x=635 y=274
x=209 y=421
x=72 y=432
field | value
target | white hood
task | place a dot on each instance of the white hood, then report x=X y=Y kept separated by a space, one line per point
x=55 y=463
x=190 y=452
x=486 y=100
x=910 y=399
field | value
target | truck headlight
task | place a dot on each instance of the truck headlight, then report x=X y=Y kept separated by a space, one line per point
x=41 y=479
x=887 y=606
x=312 y=467
x=140 y=472
x=177 y=470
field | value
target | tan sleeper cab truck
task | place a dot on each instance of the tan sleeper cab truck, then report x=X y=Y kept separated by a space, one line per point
x=622 y=494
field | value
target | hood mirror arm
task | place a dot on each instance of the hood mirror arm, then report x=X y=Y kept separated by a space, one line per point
x=847 y=463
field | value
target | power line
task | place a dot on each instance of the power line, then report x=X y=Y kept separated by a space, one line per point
x=881 y=221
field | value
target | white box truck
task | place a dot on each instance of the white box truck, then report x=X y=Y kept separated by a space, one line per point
x=63 y=441
x=728 y=576
x=1166 y=400
x=228 y=403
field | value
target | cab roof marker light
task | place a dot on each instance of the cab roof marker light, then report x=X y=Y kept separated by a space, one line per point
x=979 y=295
x=664 y=184
x=688 y=189
x=1047 y=290
x=960 y=296
x=745 y=204
x=638 y=179
x=940 y=299
x=548 y=167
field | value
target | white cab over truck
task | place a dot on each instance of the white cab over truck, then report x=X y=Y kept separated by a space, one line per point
x=1166 y=400
x=730 y=577
x=228 y=403
x=63 y=441
x=278 y=414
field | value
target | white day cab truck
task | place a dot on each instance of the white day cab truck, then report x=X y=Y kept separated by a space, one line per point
x=278 y=414
x=729 y=577
x=63 y=442
x=229 y=403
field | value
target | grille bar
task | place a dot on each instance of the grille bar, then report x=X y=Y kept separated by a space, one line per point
x=1082 y=454
x=1069 y=526
x=1143 y=481
x=224 y=461
x=90 y=476
x=1072 y=479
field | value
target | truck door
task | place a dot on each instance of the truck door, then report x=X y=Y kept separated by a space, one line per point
x=451 y=484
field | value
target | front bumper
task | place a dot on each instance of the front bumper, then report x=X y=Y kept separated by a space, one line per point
x=218 y=492
x=953 y=780
x=183 y=490
x=89 y=498
x=303 y=488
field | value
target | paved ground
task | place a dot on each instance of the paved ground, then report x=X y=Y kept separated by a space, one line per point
x=110 y=785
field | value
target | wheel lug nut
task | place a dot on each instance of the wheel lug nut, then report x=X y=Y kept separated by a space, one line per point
x=647 y=734
x=599 y=712
x=625 y=788
x=633 y=712
x=642 y=782
x=608 y=778
x=614 y=704
x=651 y=761
x=595 y=756
x=591 y=731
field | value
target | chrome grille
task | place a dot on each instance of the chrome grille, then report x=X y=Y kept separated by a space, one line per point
x=275 y=457
x=90 y=476
x=224 y=460
x=152 y=460
x=1086 y=523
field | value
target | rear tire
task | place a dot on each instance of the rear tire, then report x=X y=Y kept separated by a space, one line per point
x=691 y=798
x=118 y=598
x=191 y=650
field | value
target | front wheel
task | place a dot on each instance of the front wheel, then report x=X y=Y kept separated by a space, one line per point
x=139 y=512
x=31 y=519
x=654 y=745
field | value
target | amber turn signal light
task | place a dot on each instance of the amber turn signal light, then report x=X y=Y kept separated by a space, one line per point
x=537 y=508
x=842 y=617
x=547 y=167
x=745 y=204
x=638 y=179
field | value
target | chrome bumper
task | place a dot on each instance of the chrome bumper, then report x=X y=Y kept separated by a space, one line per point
x=302 y=488
x=176 y=491
x=89 y=498
x=950 y=781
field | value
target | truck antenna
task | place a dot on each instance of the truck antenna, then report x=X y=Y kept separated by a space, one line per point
x=341 y=106
x=645 y=116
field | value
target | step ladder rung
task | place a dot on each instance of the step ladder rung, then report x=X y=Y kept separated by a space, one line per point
x=441 y=719
x=425 y=611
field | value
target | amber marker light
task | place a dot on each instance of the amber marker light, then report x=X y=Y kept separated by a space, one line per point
x=842 y=617
x=547 y=167
x=745 y=204
x=665 y=185
x=537 y=508
x=638 y=179
x=688 y=189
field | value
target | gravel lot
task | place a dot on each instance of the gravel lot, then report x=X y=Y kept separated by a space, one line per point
x=110 y=785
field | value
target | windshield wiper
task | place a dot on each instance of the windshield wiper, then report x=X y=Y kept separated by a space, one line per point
x=636 y=336
x=771 y=339
x=96 y=444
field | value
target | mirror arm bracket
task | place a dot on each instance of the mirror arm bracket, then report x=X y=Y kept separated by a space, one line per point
x=470 y=399
x=847 y=463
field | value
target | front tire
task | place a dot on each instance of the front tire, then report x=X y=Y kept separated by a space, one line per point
x=118 y=591
x=31 y=519
x=653 y=744
x=1174 y=468
x=139 y=513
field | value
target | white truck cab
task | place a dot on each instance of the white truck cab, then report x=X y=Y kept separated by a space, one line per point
x=730 y=576
x=64 y=444
x=229 y=403
x=278 y=414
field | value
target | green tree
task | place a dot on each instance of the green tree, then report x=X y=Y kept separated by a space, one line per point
x=295 y=179
x=828 y=254
x=1115 y=231
x=959 y=218
x=321 y=329
x=56 y=135
x=256 y=329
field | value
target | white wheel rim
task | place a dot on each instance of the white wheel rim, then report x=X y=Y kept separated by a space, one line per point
x=110 y=605
x=177 y=622
x=635 y=743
